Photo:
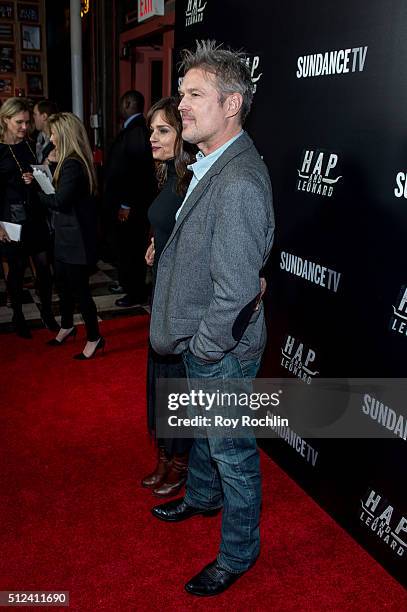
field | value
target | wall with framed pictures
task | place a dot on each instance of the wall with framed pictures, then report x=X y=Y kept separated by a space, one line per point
x=23 y=60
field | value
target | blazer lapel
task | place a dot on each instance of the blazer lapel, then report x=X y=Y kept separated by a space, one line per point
x=242 y=143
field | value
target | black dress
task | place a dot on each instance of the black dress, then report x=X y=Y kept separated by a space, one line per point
x=19 y=203
x=161 y=215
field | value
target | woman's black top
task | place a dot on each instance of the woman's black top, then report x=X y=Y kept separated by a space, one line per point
x=19 y=203
x=161 y=213
x=75 y=217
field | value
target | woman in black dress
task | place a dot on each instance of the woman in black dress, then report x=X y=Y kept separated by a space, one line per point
x=173 y=176
x=75 y=228
x=19 y=204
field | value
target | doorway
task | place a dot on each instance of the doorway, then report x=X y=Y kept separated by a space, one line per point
x=147 y=72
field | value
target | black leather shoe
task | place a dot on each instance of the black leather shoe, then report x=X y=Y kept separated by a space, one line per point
x=100 y=345
x=177 y=510
x=212 y=580
x=71 y=334
x=127 y=301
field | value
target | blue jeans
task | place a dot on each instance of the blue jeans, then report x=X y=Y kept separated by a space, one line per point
x=225 y=471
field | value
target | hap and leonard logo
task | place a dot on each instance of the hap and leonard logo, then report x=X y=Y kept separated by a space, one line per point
x=384 y=521
x=319 y=172
x=195 y=12
x=298 y=359
x=398 y=321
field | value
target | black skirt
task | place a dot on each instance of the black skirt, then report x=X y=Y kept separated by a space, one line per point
x=162 y=367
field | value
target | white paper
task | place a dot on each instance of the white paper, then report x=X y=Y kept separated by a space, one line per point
x=43 y=177
x=43 y=168
x=13 y=230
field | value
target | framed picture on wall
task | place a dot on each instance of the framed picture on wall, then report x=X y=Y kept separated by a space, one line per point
x=30 y=37
x=30 y=62
x=35 y=85
x=7 y=61
x=6 y=10
x=6 y=86
x=28 y=12
x=7 y=32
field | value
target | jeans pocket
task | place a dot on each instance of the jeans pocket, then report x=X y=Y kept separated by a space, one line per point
x=199 y=368
x=198 y=360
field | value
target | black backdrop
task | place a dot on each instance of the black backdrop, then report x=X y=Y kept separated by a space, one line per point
x=336 y=145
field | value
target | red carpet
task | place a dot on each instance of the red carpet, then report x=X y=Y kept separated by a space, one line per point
x=74 y=518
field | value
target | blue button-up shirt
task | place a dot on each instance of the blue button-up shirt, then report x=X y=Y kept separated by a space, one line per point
x=202 y=165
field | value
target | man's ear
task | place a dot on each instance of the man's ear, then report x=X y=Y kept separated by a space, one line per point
x=233 y=104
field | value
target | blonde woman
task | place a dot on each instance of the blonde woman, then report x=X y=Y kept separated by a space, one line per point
x=19 y=204
x=75 y=228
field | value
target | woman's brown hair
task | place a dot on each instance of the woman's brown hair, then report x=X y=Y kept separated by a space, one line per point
x=183 y=151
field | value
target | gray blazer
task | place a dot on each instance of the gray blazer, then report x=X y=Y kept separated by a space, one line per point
x=208 y=273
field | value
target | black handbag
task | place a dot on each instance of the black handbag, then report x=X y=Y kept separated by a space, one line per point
x=18 y=213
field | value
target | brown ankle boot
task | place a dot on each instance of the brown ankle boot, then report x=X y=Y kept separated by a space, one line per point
x=161 y=469
x=175 y=478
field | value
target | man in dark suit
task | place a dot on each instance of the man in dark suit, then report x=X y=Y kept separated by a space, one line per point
x=129 y=189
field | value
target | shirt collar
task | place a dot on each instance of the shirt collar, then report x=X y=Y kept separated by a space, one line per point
x=126 y=123
x=204 y=162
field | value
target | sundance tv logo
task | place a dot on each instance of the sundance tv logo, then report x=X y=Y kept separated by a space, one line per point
x=341 y=61
x=195 y=12
x=400 y=191
x=298 y=360
x=385 y=416
x=385 y=522
x=398 y=322
x=310 y=271
x=305 y=450
x=318 y=173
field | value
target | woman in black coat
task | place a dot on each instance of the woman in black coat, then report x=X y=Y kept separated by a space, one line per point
x=75 y=221
x=19 y=204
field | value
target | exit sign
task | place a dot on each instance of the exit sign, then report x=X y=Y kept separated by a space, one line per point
x=149 y=8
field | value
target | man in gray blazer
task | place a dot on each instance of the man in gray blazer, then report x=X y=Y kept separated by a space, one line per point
x=207 y=297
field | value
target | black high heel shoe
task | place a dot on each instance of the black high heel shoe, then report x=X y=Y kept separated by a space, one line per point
x=100 y=345
x=55 y=342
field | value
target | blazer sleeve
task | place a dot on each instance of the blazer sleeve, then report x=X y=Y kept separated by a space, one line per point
x=69 y=188
x=241 y=243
